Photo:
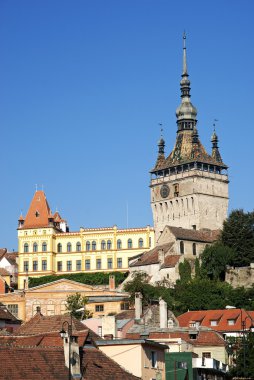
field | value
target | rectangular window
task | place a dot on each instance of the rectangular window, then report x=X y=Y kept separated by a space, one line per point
x=110 y=263
x=87 y=264
x=206 y=354
x=125 y=306
x=69 y=265
x=98 y=264
x=35 y=265
x=14 y=309
x=150 y=242
x=99 y=308
x=26 y=266
x=78 y=264
x=59 y=266
x=154 y=359
x=119 y=263
x=44 y=265
x=214 y=323
x=231 y=322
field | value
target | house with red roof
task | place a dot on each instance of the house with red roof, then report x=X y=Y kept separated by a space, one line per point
x=228 y=322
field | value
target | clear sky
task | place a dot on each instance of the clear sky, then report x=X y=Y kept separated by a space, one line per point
x=84 y=84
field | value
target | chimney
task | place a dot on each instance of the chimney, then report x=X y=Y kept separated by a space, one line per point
x=108 y=325
x=161 y=256
x=163 y=314
x=112 y=285
x=71 y=356
x=138 y=305
x=38 y=310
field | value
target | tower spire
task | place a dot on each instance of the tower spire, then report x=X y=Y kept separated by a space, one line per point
x=186 y=113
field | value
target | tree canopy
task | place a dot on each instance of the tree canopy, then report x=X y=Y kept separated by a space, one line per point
x=238 y=234
x=75 y=302
x=215 y=259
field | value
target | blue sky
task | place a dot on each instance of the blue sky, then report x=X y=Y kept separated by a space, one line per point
x=84 y=84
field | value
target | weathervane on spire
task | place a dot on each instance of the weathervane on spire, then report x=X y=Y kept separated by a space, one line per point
x=214 y=124
x=161 y=126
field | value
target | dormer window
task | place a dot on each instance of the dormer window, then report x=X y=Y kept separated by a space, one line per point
x=231 y=322
x=214 y=323
x=193 y=335
x=37 y=214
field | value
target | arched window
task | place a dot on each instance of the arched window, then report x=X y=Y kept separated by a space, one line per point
x=119 y=244
x=140 y=243
x=68 y=247
x=44 y=246
x=109 y=244
x=59 y=247
x=103 y=244
x=88 y=246
x=78 y=246
x=129 y=243
x=93 y=245
x=181 y=247
x=194 y=249
x=35 y=247
x=26 y=248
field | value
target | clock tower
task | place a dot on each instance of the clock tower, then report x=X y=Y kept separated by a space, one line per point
x=189 y=187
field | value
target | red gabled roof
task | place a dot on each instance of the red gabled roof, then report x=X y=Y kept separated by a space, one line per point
x=39 y=213
x=221 y=316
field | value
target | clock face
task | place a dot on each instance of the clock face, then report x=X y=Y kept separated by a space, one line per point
x=164 y=191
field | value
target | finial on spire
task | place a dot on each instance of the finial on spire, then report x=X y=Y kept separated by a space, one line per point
x=36 y=187
x=184 y=55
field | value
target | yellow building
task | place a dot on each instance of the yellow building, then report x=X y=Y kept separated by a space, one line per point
x=46 y=247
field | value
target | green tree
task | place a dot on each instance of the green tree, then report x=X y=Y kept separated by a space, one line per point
x=214 y=259
x=238 y=234
x=185 y=271
x=244 y=363
x=75 y=302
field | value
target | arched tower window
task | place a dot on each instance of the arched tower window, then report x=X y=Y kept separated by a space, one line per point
x=35 y=247
x=103 y=245
x=26 y=248
x=93 y=245
x=59 y=247
x=119 y=244
x=44 y=246
x=140 y=243
x=78 y=246
x=69 y=249
x=88 y=246
x=182 y=247
x=129 y=243
x=109 y=244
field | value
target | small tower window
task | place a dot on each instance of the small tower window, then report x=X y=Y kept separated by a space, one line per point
x=119 y=244
x=93 y=245
x=88 y=246
x=176 y=190
x=26 y=248
x=194 y=249
x=182 y=247
x=69 y=249
x=37 y=214
x=140 y=243
x=103 y=245
x=78 y=246
x=59 y=247
x=129 y=243
x=35 y=247
x=109 y=244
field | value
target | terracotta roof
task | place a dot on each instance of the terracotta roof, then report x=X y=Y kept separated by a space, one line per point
x=40 y=324
x=39 y=212
x=11 y=257
x=2 y=252
x=126 y=314
x=202 y=337
x=221 y=316
x=152 y=256
x=204 y=235
x=171 y=261
x=4 y=272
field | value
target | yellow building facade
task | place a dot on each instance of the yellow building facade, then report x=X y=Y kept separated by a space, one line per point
x=46 y=247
